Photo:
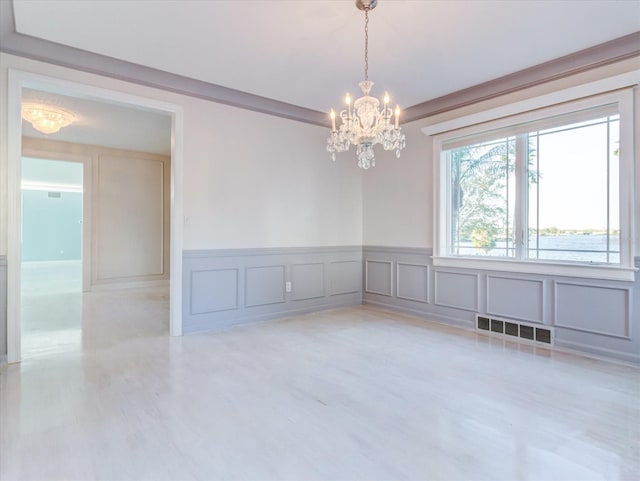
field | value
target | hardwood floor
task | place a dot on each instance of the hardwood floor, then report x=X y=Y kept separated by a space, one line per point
x=355 y=393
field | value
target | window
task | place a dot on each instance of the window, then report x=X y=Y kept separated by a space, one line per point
x=573 y=192
x=547 y=187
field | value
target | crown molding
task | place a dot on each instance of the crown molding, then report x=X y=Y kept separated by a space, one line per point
x=616 y=50
x=14 y=43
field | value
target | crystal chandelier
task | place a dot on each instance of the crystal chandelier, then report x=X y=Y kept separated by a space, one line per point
x=46 y=118
x=366 y=124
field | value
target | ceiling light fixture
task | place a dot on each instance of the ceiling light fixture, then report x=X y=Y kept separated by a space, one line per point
x=47 y=119
x=365 y=124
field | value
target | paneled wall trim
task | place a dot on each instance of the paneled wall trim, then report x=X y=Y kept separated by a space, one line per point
x=378 y=277
x=456 y=289
x=227 y=287
x=595 y=316
x=516 y=298
x=415 y=281
x=595 y=308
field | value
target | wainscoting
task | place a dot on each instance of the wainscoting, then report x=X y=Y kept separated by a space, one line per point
x=228 y=287
x=3 y=309
x=594 y=316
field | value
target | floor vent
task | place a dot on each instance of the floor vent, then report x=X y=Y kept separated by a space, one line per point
x=513 y=328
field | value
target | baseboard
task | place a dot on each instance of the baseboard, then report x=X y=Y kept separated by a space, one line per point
x=257 y=319
x=598 y=353
x=437 y=318
x=114 y=286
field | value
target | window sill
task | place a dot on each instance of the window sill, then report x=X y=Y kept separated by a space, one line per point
x=542 y=268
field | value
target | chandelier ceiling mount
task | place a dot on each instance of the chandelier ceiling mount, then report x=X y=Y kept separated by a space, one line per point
x=366 y=4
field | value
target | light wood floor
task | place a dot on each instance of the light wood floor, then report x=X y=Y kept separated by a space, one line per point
x=356 y=393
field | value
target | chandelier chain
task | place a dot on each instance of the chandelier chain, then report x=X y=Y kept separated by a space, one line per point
x=366 y=44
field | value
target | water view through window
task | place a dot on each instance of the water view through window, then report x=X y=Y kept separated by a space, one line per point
x=569 y=208
x=566 y=247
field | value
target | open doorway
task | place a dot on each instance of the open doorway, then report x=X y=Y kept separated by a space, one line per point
x=52 y=222
x=103 y=164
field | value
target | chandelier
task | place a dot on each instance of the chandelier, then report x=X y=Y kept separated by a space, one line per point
x=47 y=119
x=365 y=124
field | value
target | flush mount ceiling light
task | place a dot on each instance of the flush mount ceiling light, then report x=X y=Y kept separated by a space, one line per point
x=366 y=124
x=47 y=119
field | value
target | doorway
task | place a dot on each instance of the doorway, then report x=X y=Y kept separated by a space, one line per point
x=18 y=81
x=52 y=254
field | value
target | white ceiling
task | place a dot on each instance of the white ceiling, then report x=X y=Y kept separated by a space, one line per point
x=309 y=53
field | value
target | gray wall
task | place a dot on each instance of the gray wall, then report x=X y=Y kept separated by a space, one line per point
x=3 y=309
x=595 y=316
x=229 y=287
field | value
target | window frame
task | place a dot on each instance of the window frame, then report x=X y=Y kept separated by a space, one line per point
x=536 y=110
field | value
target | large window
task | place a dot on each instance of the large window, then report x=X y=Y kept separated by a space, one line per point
x=545 y=187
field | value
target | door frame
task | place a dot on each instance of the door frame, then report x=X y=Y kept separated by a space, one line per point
x=16 y=82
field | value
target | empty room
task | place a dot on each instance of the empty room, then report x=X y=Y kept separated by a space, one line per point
x=319 y=239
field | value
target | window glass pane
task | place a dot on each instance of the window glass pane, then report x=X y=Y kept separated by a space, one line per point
x=573 y=192
x=482 y=197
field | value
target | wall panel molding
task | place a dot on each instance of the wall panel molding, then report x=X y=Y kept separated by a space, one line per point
x=378 y=274
x=214 y=290
x=308 y=281
x=345 y=277
x=264 y=285
x=599 y=309
x=516 y=298
x=456 y=289
x=322 y=278
x=408 y=281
